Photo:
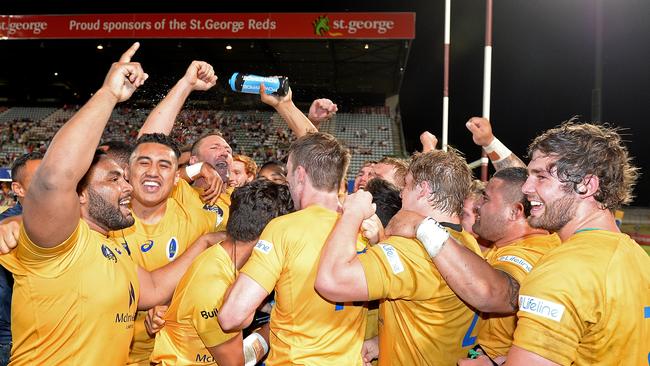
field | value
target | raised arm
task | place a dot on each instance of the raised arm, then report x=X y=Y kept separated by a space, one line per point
x=199 y=76
x=51 y=206
x=297 y=121
x=469 y=276
x=500 y=156
x=340 y=273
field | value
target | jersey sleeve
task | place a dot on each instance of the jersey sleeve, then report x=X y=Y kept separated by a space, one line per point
x=52 y=262
x=516 y=262
x=268 y=258
x=202 y=301
x=393 y=273
x=549 y=304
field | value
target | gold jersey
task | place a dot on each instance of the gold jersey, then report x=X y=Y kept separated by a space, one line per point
x=587 y=302
x=516 y=259
x=73 y=304
x=191 y=321
x=306 y=329
x=154 y=246
x=421 y=320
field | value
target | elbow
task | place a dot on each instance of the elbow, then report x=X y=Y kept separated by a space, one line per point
x=229 y=321
x=328 y=288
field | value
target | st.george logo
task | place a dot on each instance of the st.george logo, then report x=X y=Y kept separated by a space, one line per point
x=108 y=253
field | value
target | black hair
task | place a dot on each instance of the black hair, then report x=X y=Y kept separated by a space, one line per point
x=385 y=196
x=83 y=183
x=515 y=177
x=120 y=151
x=20 y=162
x=254 y=205
x=159 y=138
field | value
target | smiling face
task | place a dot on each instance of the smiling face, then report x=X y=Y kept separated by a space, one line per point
x=105 y=201
x=238 y=176
x=153 y=173
x=553 y=205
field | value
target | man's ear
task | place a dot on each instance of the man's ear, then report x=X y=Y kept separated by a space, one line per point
x=424 y=189
x=589 y=186
x=83 y=196
x=193 y=160
x=18 y=189
x=516 y=211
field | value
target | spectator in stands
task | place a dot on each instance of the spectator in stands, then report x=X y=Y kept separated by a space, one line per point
x=242 y=171
x=273 y=171
x=391 y=169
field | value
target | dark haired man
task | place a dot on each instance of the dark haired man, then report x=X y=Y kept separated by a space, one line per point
x=305 y=328
x=165 y=224
x=192 y=335
x=75 y=289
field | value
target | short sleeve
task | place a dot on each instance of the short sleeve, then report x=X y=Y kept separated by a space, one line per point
x=393 y=273
x=52 y=262
x=202 y=301
x=267 y=259
x=549 y=323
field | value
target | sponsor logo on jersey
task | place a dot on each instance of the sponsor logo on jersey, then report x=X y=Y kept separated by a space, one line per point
x=207 y=314
x=541 y=307
x=264 y=246
x=516 y=260
x=216 y=209
x=108 y=253
x=124 y=318
x=131 y=294
x=393 y=258
x=203 y=358
x=117 y=250
x=146 y=246
x=172 y=249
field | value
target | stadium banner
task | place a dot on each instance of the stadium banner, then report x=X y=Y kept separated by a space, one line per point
x=400 y=25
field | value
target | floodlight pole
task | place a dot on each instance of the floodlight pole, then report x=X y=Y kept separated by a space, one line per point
x=445 y=88
x=487 y=80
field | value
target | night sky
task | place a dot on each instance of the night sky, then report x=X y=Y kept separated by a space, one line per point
x=543 y=63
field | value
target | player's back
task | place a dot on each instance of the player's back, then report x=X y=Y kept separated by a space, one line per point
x=305 y=328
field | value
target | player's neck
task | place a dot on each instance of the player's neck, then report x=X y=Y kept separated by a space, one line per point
x=517 y=231
x=238 y=251
x=589 y=218
x=329 y=200
x=149 y=215
x=442 y=216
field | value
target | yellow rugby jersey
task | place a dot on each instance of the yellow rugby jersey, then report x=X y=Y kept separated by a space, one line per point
x=221 y=209
x=306 y=329
x=73 y=304
x=153 y=246
x=421 y=320
x=191 y=321
x=587 y=302
x=517 y=260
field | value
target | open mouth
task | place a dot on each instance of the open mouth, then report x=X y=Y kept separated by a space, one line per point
x=151 y=186
x=536 y=206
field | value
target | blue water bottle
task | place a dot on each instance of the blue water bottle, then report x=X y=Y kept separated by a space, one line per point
x=247 y=83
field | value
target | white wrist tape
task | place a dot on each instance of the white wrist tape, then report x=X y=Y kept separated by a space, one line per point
x=255 y=347
x=432 y=235
x=497 y=147
x=193 y=170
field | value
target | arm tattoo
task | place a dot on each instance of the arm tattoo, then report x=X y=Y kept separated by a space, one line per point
x=509 y=161
x=513 y=292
